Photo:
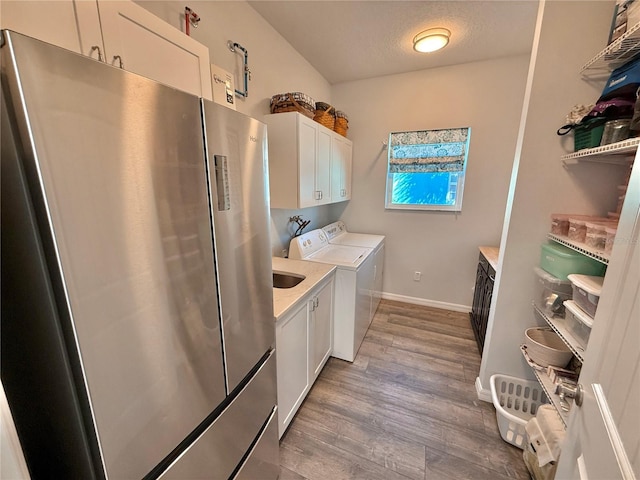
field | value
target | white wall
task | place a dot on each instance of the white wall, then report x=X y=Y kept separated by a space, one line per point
x=276 y=67
x=541 y=183
x=486 y=96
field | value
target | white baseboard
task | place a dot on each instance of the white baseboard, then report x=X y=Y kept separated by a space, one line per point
x=483 y=393
x=427 y=303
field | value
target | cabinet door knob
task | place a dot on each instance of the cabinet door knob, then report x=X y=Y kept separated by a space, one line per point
x=93 y=49
x=579 y=396
x=119 y=58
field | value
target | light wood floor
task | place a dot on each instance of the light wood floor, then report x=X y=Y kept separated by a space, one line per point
x=406 y=408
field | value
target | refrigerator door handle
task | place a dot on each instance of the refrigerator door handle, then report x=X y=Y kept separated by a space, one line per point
x=222 y=182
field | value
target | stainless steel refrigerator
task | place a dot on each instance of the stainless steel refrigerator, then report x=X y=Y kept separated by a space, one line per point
x=137 y=322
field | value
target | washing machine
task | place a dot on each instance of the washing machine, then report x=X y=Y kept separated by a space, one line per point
x=354 y=277
x=338 y=235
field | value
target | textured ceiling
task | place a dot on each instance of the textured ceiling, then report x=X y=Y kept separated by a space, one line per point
x=352 y=40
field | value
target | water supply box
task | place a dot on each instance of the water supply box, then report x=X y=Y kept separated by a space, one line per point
x=223 y=87
x=561 y=261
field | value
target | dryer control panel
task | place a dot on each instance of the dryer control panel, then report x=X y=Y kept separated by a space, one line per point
x=307 y=244
x=334 y=229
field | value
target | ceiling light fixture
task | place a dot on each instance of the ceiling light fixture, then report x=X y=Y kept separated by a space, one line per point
x=431 y=40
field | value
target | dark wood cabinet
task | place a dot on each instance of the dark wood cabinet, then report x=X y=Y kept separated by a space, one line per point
x=485 y=278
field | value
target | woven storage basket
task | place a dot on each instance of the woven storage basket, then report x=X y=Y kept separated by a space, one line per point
x=293 y=102
x=325 y=115
x=342 y=123
x=545 y=347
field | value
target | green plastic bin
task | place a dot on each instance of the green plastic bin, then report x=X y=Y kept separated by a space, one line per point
x=588 y=134
x=561 y=261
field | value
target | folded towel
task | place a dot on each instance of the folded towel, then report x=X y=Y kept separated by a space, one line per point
x=546 y=433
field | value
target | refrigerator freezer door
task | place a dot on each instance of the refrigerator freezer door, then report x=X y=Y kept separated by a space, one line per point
x=264 y=459
x=221 y=448
x=236 y=154
x=115 y=165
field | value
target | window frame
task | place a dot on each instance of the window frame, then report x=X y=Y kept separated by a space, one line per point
x=456 y=207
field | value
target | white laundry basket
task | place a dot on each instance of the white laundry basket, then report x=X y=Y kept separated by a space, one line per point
x=516 y=401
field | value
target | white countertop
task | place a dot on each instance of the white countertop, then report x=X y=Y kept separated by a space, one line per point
x=286 y=298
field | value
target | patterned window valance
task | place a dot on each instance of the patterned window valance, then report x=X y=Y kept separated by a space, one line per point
x=428 y=150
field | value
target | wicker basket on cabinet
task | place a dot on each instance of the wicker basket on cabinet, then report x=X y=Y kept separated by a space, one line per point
x=325 y=115
x=342 y=123
x=293 y=102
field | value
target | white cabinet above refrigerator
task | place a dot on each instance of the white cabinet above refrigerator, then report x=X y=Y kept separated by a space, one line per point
x=134 y=38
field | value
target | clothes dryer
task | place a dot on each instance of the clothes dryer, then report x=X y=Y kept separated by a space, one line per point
x=354 y=279
x=338 y=235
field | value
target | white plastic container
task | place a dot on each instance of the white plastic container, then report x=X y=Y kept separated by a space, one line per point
x=550 y=293
x=516 y=402
x=611 y=237
x=578 y=323
x=586 y=291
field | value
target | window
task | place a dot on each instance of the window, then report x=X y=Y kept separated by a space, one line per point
x=426 y=169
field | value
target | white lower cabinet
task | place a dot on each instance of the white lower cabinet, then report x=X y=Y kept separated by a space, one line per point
x=292 y=333
x=320 y=329
x=304 y=341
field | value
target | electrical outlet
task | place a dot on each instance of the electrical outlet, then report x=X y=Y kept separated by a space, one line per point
x=417 y=276
x=285 y=253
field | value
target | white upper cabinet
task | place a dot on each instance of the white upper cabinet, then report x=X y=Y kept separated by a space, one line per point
x=120 y=33
x=323 y=164
x=147 y=45
x=55 y=22
x=341 y=151
x=309 y=165
x=301 y=141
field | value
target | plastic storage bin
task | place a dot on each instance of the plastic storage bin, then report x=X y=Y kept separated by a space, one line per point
x=561 y=261
x=550 y=293
x=611 y=237
x=577 y=229
x=560 y=224
x=588 y=134
x=596 y=236
x=516 y=402
x=622 y=193
x=586 y=291
x=578 y=323
x=579 y=226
